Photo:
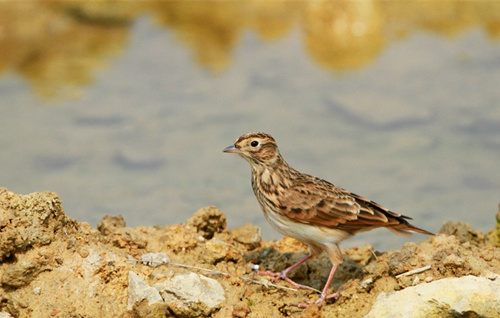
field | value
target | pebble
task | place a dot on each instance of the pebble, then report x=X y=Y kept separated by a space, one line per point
x=191 y=295
x=155 y=259
x=138 y=290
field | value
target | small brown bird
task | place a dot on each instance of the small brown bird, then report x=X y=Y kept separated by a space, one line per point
x=308 y=208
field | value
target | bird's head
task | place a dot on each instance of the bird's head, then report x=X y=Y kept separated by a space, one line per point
x=259 y=149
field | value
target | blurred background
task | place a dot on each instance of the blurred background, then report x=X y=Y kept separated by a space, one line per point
x=125 y=107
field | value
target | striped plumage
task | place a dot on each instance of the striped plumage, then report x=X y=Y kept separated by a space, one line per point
x=308 y=208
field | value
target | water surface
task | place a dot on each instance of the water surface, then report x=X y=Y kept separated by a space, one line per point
x=124 y=108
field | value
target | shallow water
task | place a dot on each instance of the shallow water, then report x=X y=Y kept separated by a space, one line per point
x=125 y=108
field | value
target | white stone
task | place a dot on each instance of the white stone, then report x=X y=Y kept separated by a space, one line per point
x=191 y=294
x=139 y=290
x=442 y=298
x=155 y=259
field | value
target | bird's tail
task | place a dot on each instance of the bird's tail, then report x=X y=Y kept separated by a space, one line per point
x=407 y=229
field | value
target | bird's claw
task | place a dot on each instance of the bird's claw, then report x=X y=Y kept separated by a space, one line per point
x=282 y=275
x=275 y=276
x=320 y=300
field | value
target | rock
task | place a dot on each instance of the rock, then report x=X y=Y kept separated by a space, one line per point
x=464 y=232
x=493 y=236
x=240 y=310
x=218 y=251
x=19 y=275
x=144 y=310
x=403 y=260
x=51 y=265
x=467 y=296
x=180 y=239
x=207 y=221
x=191 y=295
x=248 y=234
x=110 y=224
x=5 y=315
x=139 y=290
x=128 y=238
x=155 y=259
x=31 y=220
x=362 y=255
x=450 y=258
x=366 y=285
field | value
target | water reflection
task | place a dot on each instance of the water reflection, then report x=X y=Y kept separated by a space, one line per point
x=60 y=46
x=415 y=127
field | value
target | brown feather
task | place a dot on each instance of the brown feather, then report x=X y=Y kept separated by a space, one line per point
x=290 y=198
x=311 y=209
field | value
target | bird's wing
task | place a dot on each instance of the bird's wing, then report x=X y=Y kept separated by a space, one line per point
x=316 y=201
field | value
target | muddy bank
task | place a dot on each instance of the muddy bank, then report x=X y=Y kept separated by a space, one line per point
x=55 y=266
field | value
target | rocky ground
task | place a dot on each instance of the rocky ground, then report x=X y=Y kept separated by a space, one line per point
x=55 y=266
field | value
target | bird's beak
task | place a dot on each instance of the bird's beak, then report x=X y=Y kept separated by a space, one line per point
x=231 y=149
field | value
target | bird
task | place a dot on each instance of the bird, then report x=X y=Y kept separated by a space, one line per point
x=310 y=209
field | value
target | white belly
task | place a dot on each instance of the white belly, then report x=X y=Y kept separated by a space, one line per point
x=304 y=232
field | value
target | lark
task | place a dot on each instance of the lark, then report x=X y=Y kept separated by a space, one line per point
x=310 y=209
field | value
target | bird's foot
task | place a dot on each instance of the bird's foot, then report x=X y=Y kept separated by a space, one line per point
x=318 y=302
x=321 y=299
x=282 y=275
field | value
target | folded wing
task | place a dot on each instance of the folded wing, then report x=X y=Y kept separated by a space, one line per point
x=313 y=200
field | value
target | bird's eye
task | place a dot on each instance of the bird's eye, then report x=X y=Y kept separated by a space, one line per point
x=254 y=143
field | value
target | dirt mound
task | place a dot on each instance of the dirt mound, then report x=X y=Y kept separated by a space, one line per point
x=54 y=266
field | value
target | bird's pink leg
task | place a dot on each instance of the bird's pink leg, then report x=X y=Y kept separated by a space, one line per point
x=283 y=274
x=324 y=294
